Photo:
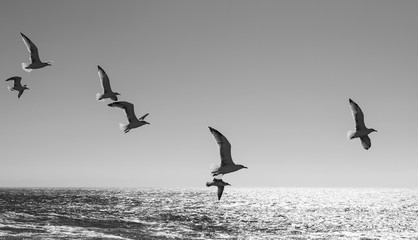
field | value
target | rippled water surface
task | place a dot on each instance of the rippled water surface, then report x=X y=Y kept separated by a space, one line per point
x=276 y=213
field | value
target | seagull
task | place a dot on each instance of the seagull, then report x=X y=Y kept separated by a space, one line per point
x=227 y=165
x=34 y=56
x=220 y=184
x=362 y=131
x=130 y=113
x=108 y=93
x=17 y=86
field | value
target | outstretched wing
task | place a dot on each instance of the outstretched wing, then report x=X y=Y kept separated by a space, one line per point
x=357 y=115
x=220 y=191
x=34 y=55
x=365 y=141
x=16 y=81
x=143 y=117
x=128 y=107
x=224 y=147
x=104 y=80
x=20 y=94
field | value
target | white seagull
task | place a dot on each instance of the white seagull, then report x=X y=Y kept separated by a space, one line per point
x=362 y=131
x=134 y=122
x=34 y=56
x=17 y=86
x=220 y=184
x=107 y=91
x=227 y=165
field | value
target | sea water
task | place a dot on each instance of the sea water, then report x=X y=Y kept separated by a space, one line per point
x=253 y=213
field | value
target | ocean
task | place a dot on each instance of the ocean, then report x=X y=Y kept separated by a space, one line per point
x=242 y=213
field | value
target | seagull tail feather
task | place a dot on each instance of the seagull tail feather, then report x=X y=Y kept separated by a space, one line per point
x=99 y=97
x=123 y=127
x=24 y=67
x=350 y=135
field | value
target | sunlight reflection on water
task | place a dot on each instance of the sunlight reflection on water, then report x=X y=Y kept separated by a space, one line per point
x=261 y=213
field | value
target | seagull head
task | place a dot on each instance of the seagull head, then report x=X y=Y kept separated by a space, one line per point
x=373 y=130
x=145 y=122
x=49 y=63
x=24 y=87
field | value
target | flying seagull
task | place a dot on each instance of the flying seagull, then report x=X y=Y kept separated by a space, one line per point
x=362 y=131
x=34 y=56
x=17 y=86
x=220 y=184
x=134 y=122
x=227 y=165
x=107 y=91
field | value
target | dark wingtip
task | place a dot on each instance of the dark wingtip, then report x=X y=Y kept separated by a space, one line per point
x=110 y=104
x=212 y=129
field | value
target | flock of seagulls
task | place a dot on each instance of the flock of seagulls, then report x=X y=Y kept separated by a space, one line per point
x=133 y=121
x=227 y=164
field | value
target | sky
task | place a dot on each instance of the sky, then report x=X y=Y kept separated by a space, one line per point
x=273 y=76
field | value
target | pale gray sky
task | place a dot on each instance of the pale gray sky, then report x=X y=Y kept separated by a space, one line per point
x=273 y=76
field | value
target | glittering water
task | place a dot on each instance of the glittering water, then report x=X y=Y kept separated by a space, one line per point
x=276 y=213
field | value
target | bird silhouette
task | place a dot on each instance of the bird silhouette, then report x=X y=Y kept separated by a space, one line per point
x=134 y=122
x=17 y=86
x=107 y=90
x=362 y=131
x=36 y=63
x=227 y=165
x=220 y=184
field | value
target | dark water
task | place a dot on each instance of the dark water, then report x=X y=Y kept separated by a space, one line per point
x=363 y=214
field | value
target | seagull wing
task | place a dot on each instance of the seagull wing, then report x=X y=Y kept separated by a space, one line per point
x=224 y=147
x=104 y=79
x=357 y=115
x=143 y=117
x=220 y=191
x=34 y=55
x=128 y=107
x=16 y=81
x=20 y=94
x=365 y=141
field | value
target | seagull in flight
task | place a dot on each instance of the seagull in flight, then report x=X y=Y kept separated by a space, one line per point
x=362 y=131
x=227 y=165
x=220 y=184
x=17 y=86
x=34 y=56
x=134 y=122
x=107 y=91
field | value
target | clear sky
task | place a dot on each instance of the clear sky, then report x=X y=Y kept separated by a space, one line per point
x=273 y=76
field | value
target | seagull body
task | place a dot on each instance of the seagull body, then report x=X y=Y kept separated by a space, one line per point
x=362 y=131
x=17 y=86
x=36 y=63
x=134 y=122
x=107 y=90
x=220 y=184
x=227 y=165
